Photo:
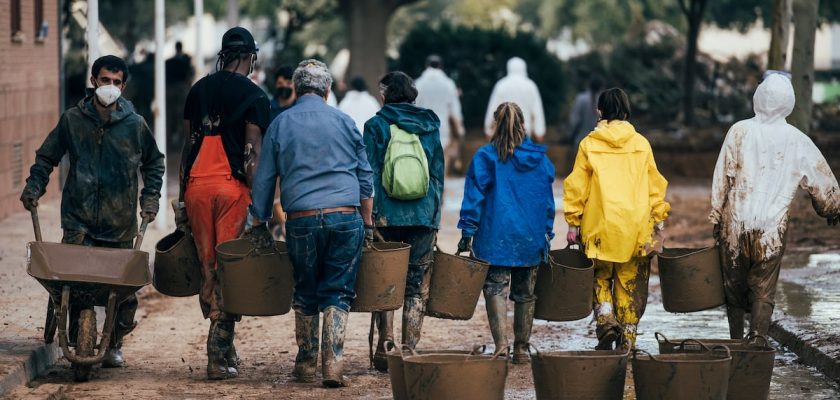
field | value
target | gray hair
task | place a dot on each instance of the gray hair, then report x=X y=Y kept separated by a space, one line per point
x=312 y=76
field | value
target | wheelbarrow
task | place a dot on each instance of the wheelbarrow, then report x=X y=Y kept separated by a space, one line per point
x=88 y=277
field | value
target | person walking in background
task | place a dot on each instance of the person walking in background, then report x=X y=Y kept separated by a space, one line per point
x=413 y=219
x=584 y=114
x=761 y=164
x=327 y=192
x=284 y=91
x=179 y=78
x=358 y=103
x=438 y=92
x=517 y=88
x=226 y=115
x=614 y=201
x=507 y=218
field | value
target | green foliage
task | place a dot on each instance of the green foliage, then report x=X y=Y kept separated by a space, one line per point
x=476 y=58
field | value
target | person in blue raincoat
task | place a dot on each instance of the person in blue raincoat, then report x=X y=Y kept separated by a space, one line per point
x=507 y=217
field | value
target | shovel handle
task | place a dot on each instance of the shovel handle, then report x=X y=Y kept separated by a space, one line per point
x=140 y=233
x=36 y=224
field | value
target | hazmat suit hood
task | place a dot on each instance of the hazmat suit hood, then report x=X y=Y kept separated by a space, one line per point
x=528 y=156
x=410 y=118
x=773 y=99
x=517 y=67
x=614 y=133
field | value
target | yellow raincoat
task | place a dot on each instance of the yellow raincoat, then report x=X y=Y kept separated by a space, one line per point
x=615 y=193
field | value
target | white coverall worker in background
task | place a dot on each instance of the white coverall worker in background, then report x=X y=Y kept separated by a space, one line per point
x=516 y=87
x=359 y=104
x=762 y=163
x=438 y=92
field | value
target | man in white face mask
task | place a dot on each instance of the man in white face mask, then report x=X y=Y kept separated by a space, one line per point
x=107 y=143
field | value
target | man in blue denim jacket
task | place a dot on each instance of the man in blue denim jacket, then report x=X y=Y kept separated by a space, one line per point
x=319 y=156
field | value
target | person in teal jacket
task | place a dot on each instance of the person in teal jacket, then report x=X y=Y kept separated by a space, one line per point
x=507 y=220
x=414 y=222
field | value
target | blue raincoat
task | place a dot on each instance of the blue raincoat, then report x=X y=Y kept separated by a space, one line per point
x=508 y=207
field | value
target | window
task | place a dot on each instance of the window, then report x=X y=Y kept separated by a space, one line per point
x=15 y=25
x=39 y=16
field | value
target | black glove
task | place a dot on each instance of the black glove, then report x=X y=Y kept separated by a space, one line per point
x=149 y=211
x=260 y=236
x=465 y=244
x=833 y=220
x=369 y=235
x=182 y=221
x=149 y=216
x=29 y=198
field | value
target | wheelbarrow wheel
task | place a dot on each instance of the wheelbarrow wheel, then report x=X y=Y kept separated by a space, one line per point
x=86 y=343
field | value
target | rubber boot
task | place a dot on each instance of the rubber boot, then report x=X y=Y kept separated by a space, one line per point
x=761 y=317
x=332 y=347
x=231 y=357
x=607 y=328
x=306 y=336
x=523 y=321
x=736 y=322
x=497 y=317
x=114 y=356
x=412 y=320
x=219 y=340
x=385 y=321
x=628 y=338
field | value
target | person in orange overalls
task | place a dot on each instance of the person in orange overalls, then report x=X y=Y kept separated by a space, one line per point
x=226 y=115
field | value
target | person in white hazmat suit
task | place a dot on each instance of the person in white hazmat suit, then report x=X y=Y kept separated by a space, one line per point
x=358 y=103
x=762 y=163
x=438 y=92
x=517 y=88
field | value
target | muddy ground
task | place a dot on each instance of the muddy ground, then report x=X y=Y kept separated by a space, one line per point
x=166 y=353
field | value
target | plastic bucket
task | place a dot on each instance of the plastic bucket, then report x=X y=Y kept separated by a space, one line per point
x=564 y=287
x=691 y=279
x=397 y=372
x=573 y=375
x=684 y=376
x=455 y=286
x=752 y=363
x=380 y=282
x=455 y=376
x=177 y=267
x=254 y=281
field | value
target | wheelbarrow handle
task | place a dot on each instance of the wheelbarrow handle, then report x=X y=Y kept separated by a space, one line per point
x=36 y=224
x=140 y=233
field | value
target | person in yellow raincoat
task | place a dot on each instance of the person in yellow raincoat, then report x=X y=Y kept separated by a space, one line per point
x=614 y=203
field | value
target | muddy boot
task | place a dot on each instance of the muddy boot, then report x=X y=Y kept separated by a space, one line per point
x=114 y=357
x=412 y=320
x=385 y=321
x=736 y=322
x=608 y=331
x=231 y=357
x=332 y=347
x=628 y=338
x=761 y=317
x=523 y=320
x=306 y=336
x=497 y=317
x=219 y=340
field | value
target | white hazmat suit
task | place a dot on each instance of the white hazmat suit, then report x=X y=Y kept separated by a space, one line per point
x=516 y=87
x=360 y=106
x=438 y=93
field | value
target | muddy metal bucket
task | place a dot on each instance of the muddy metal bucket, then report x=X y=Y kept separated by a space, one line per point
x=752 y=362
x=684 y=376
x=177 y=268
x=579 y=375
x=455 y=285
x=256 y=282
x=456 y=376
x=397 y=371
x=380 y=282
x=691 y=279
x=564 y=287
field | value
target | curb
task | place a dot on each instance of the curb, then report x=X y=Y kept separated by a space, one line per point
x=820 y=350
x=27 y=363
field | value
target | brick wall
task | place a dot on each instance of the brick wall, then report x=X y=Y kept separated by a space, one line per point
x=29 y=98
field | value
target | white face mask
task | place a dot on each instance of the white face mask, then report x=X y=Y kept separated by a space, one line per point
x=108 y=94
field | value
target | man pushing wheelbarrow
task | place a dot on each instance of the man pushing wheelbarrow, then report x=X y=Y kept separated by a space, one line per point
x=106 y=143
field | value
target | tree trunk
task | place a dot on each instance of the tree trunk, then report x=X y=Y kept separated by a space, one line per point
x=780 y=34
x=694 y=11
x=802 y=62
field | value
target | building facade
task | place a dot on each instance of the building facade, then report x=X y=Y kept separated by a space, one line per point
x=30 y=33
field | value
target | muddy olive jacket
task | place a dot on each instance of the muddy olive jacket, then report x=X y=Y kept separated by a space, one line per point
x=100 y=195
x=762 y=163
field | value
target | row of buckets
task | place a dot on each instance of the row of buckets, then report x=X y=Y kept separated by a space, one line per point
x=260 y=283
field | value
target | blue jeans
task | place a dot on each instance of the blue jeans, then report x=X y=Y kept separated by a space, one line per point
x=325 y=250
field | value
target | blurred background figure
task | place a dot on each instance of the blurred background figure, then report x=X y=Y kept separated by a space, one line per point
x=284 y=91
x=179 y=77
x=438 y=93
x=584 y=114
x=142 y=89
x=358 y=103
x=517 y=88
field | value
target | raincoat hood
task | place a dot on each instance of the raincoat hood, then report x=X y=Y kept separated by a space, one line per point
x=773 y=100
x=614 y=133
x=410 y=118
x=124 y=107
x=528 y=156
x=516 y=66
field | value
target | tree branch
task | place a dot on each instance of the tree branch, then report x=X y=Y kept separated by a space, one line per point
x=683 y=7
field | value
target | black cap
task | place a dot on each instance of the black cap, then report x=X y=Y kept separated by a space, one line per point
x=240 y=39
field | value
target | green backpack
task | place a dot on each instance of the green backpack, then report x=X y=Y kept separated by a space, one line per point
x=405 y=173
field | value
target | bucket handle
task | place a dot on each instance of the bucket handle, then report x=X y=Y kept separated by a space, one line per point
x=503 y=352
x=694 y=341
x=408 y=348
x=720 y=346
x=536 y=350
x=755 y=335
x=478 y=349
x=661 y=338
x=637 y=351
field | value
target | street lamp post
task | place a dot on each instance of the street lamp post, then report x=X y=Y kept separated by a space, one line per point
x=160 y=106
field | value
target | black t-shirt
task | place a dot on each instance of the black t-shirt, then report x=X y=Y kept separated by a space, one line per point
x=224 y=94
